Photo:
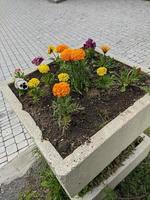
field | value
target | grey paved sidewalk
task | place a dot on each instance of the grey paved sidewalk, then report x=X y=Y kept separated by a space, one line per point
x=27 y=27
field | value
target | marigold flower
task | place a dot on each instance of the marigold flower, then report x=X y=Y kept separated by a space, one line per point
x=60 y=48
x=63 y=77
x=34 y=82
x=44 y=69
x=66 y=54
x=61 y=89
x=77 y=54
x=51 y=49
x=101 y=71
x=105 y=48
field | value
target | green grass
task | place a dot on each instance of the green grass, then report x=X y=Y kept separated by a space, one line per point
x=46 y=187
x=147 y=131
x=137 y=184
x=29 y=195
x=49 y=182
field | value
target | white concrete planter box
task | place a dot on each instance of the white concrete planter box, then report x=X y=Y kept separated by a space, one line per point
x=88 y=160
x=128 y=165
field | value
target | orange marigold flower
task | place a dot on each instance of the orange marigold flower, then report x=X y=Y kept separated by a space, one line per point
x=61 y=89
x=105 y=48
x=66 y=55
x=60 y=48
x=77 y=54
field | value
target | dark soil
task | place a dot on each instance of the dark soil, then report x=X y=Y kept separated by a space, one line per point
x=99 y=108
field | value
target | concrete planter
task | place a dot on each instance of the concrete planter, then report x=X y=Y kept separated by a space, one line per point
x=57 y=1
x=88 y=160
x=128 y=165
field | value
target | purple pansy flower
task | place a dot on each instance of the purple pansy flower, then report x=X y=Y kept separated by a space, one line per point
x=37 y=61
x=17 y=70
x=89 y=44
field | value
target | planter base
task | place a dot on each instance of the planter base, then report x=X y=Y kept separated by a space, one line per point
x=139 y=154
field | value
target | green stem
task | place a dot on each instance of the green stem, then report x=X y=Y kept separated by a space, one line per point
x=54 y=55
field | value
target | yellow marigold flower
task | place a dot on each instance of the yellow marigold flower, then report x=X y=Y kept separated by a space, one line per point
x=60 y=48
x=101 y=71
x=51 y=49
x=77 y=54
x=44 y=69
x=105 y=48
x=34 y=82
x=61 y=89
x=63 y=77
x=66 y=55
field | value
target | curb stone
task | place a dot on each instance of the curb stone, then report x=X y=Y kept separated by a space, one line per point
x=18 y=166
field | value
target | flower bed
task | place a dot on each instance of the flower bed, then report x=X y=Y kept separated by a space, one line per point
x=104 y=99
x=84 y=103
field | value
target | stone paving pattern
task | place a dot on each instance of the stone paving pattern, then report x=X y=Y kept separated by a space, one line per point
x=27 y=27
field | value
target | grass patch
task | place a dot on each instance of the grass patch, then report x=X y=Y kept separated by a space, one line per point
x=147 y=131
x=136 y=186
x=43 y=185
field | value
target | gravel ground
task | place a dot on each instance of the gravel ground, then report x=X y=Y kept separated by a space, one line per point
x=11 y=191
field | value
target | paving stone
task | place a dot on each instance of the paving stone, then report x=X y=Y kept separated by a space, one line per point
x=5 y=126
x=2 y=149
x=8 y=137
x=16 y=125
x=17 y=130
x=14 y=121
x=6 y=132
x=4 y=119
x=1 y=144
x=3 y=164
x=6 y=123
x=27 y=136
x=9 y=142
x=23 y=149
x=3 y=155
x=11 y=149
x=2 y=111
x=1 y=139
x=12 y=156
x=19 y=138
x=22 y=144
x=2 y=160
x=30 y=141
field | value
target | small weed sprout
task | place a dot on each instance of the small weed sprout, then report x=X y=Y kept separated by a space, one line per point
x=128 y=78
x=19 y=73
x=146 y=89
